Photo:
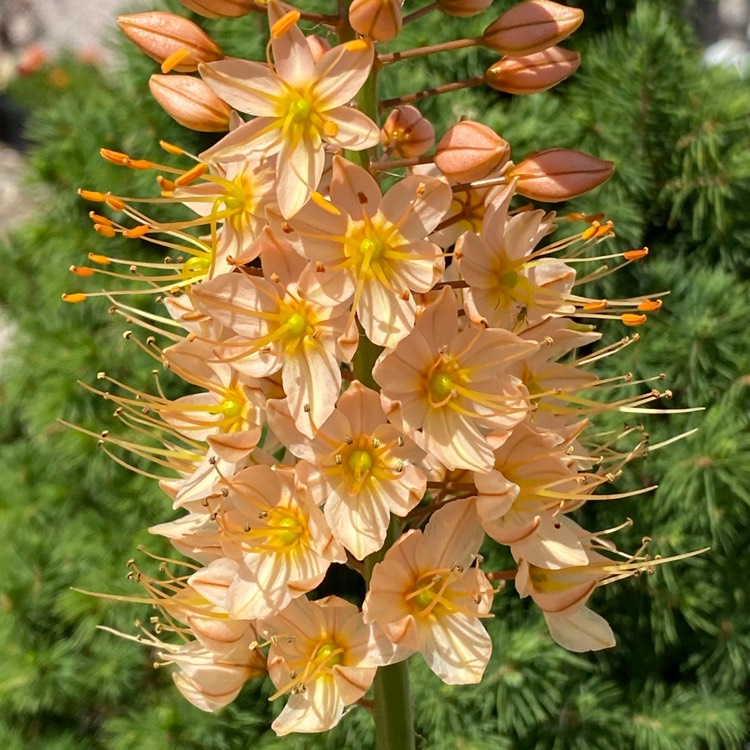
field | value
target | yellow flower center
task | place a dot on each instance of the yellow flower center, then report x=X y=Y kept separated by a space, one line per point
x=300 y=110
x=195 y=268
x=428 y=597
x=296 y=325
x=286 y=530
x=329 y=654
x=509 y=279
x=443 y=380
x=231 y=409
x=360 y=462
x=441 y=386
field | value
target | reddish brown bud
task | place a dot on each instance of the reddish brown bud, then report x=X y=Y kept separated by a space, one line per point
x=531 y=27
x=470 y=151
x=191 y=102
x=318 y=46
x=164 y=35
x=377 y=19
x=463 y=8
x=532 y=74
x=558 y=174
x=406 y=133
x=222 y=8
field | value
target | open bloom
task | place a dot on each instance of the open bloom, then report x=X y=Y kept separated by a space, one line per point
x=360 y=466
x=428 y=597
x=373 y=248
x=325 y=657
x=277 y=543
x=279 y=328
x=299 y=105
x=454 y=386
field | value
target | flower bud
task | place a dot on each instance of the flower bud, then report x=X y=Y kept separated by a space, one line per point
x=470 y=151
x=318 y=46
x=377 y=19
x=532 y=74
x=463 y=8
x=531 y=27
x=191 y=102
x=559 y=174
x=406 y=133
x=222 y=8
x=164 y=35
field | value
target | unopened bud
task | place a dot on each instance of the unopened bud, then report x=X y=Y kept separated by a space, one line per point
x=191 y=102
x=470 y=151
x=463 y=8
x=531 y=27
x=164 y=35
x=318 y=46
x=221 y=8
x=558 y=174
x=407 y=133
x=380 y=20
x=532 y=74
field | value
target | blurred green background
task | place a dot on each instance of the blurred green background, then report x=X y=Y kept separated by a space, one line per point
x=679 y=134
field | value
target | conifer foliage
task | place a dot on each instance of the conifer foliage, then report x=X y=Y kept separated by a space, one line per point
x=677 y=679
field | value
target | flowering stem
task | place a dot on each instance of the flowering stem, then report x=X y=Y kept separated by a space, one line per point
x=428 y=50
x=419 y=13
x=393 y=712
x=444 y=89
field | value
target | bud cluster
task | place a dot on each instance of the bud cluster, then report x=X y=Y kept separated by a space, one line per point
x=379 y=379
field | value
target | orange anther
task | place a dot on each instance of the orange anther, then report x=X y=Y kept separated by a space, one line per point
x=192 y=174
x=635 y=254
x=605 y=229
x=105 y=230
x=102 y=259
x=587 y=234
x=116 y=157
x=91 y=195
x=135 y=232
x=171 y=62
x=596 y=305
x=75 y=297
x=114 y=203
x=285 y=23
x=631 y=319
x=165 y=184
x=97 y=219
x=140 y=164
x=649 y=305
x=170 y=148
x=81 y=270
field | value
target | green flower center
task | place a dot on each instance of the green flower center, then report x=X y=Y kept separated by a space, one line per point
x=195 y=268
x=360 y=463
x=296 y=325
x=371 y=247
x=509 y=279
x=327 y=655
x=441 y=386
x=300 y=110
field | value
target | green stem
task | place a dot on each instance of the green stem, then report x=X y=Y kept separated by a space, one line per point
x=394 y=710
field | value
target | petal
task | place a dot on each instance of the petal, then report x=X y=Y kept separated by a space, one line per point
x=319 y=708
x=341 y=72
x=416 y=205
x=452 y=536
x=247 y=86
x=300 y=167
x=292 y=57
x=261 y=134
x=354 y=189
x=356 y=131
x=580 y=630
x=361 y=406
x=422 y=270
x=385 y=316
x=455 y=441
x=457 y=649
x=312 y=380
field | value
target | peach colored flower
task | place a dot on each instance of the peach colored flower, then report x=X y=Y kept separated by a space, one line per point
x=450 y=389
x=359 y=465
x=427 y=595
x=509 y=286
x=278 y=328
x=372 y=248
x=277 y=543
x=212 y=680
x=325 y=658
x=298 y=104
x=520 y=500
